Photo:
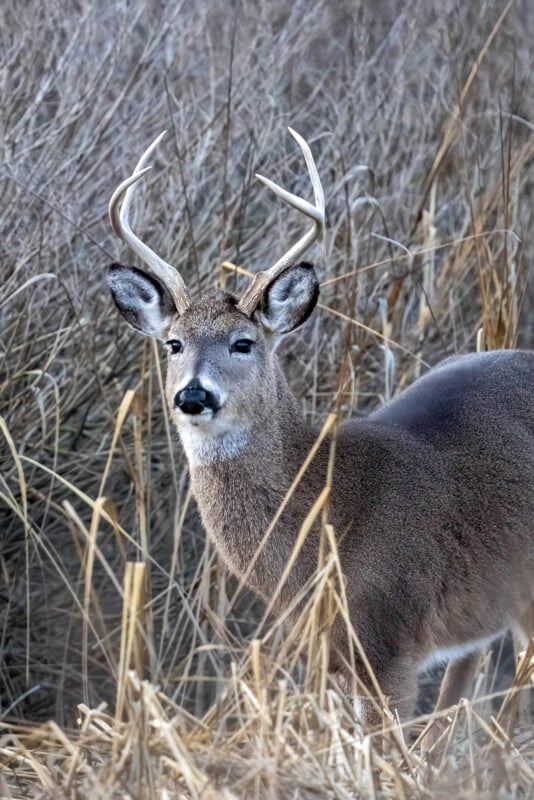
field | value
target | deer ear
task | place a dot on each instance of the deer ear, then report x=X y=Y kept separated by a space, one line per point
x=289 y=300
x=142 y=300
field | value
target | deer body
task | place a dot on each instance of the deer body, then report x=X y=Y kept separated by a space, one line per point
x=432 y=496
x=432 y=502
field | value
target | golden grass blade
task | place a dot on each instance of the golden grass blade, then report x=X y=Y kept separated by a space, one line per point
x=132 y=648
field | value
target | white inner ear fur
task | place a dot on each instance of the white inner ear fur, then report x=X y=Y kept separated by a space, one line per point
x=286 y=295
x=154 y=321
x=148 y=311
x=282 y=296
x=298 y=288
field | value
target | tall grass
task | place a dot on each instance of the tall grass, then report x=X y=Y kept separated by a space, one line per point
x=420 y=119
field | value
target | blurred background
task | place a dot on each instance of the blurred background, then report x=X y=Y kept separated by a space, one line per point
x=420 y=117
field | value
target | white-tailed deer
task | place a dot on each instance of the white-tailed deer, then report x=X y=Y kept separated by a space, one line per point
x=432 y=496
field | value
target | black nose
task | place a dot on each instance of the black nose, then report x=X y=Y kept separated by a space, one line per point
x=193 y=399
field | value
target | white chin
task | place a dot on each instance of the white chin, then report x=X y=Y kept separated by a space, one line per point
x=203 y=420
x=207 y=439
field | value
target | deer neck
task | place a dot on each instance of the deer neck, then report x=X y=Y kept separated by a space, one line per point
x=239 y=479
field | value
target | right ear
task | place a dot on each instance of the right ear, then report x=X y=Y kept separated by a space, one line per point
x=289 y=300
x=142 y=300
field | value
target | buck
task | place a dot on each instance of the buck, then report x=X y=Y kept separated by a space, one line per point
x=432 y=495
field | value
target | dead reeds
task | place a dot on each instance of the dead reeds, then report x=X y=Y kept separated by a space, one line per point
x=131 y=664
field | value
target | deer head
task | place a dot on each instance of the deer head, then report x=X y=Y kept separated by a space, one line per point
x=221 y=362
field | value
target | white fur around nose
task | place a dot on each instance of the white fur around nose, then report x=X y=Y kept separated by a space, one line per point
x=208 y=383
x=209 y=437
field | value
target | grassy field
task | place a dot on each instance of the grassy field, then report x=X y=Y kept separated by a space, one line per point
x=129 y=665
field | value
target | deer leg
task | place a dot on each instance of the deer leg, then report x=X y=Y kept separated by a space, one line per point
x=398 y=683
x=457 y=681
x=455 y=685
x=392 y=668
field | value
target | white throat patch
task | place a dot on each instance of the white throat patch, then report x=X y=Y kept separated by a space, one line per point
x=204 y=444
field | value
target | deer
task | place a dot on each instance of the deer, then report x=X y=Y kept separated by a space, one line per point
x=431 y=497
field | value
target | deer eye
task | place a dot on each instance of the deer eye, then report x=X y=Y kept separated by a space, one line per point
x=175 y=346
x=241 y=346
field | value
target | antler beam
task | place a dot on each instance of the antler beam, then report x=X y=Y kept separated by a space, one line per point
x=119 y=213
x=261 y=280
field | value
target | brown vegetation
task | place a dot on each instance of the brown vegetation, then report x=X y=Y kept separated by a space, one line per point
x=418 y=117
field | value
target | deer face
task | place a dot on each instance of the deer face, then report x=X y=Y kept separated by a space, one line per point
x=221 y=362
x=221 y=378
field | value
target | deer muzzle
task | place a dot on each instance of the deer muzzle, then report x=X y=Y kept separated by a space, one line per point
x=193 y=399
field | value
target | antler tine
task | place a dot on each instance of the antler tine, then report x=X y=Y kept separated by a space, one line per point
x=316 y=212
x=119 y=214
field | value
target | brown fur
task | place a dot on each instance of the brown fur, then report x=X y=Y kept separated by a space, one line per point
x=432 y=498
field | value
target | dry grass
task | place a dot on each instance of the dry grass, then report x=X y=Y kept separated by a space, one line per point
x=420 y=119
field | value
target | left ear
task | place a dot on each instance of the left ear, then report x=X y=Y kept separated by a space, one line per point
x=289 y=300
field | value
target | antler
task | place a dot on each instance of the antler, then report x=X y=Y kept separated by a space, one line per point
x=261 y=280
x=118 y=215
